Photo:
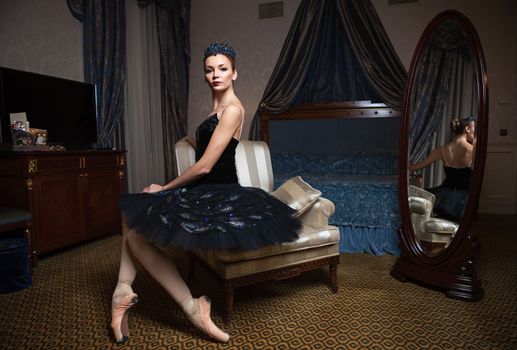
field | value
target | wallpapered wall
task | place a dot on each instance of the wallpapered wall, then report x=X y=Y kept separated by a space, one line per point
x=259 y=43
x=41 y=36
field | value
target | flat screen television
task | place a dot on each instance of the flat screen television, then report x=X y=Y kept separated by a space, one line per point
x=65 y=108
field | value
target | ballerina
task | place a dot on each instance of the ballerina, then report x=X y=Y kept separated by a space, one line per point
x=205 y=207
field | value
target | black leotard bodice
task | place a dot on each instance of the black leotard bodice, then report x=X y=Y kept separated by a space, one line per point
x=457 y=178
x=224 y=170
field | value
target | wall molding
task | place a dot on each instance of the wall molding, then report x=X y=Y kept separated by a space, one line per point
x=499 y=191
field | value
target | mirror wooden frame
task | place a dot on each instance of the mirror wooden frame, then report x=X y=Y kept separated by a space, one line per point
x=452 y=270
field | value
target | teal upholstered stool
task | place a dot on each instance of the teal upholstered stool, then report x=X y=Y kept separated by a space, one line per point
x=15 y=251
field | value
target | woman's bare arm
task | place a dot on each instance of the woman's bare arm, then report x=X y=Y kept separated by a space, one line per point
x=432 y=157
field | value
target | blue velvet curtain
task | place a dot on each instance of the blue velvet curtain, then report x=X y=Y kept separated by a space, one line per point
x=336 y=50
x=431 y=86
x=104 y=49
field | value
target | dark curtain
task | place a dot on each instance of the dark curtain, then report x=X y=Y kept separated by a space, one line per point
x=76 y=8
x=173 y=21
x=431 y=86
x=376 y=55
x=332 y=72
x=321 y=59
x=104 y=50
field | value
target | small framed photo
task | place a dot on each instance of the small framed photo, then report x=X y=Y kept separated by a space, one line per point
x=20 y=133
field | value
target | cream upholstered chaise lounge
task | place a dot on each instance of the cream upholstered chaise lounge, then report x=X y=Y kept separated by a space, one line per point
x=316 y=247
x=433 y=233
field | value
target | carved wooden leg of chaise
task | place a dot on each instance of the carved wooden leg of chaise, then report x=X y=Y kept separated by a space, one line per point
x=333 y=276
x=228 y=301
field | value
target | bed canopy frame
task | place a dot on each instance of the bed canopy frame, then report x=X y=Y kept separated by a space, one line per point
x=333 y=110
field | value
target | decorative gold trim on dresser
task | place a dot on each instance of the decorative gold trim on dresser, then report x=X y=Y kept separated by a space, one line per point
x=33 y=166
x=82 y=162
x=28 y=184
x=121 y=160
x=121 y=174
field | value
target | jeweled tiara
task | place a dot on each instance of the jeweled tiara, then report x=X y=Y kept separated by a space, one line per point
x=219 y=48
x=469 y=118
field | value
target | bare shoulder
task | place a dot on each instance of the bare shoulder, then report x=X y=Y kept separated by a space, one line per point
x=233 y=109
x=231 y=114
x=466 y=145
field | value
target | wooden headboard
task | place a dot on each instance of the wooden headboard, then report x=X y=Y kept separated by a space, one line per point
x=334 y=110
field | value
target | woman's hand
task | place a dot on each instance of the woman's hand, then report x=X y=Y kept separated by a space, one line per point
x=153 y=188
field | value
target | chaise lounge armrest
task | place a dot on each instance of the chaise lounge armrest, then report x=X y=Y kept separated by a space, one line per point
x=319 y=213
x=414 y=191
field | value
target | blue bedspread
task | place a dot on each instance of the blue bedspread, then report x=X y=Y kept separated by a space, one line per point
x=363 y=187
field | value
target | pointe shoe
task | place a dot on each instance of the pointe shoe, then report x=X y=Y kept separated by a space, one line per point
x=119 y=312
x=200 y=317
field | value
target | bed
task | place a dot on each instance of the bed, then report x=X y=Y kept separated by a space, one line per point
x=349 y=152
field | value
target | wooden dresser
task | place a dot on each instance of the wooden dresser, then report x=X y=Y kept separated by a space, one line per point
x=72 y=195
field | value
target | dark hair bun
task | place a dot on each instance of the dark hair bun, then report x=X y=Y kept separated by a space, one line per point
x=458 y=125
x=455 y=125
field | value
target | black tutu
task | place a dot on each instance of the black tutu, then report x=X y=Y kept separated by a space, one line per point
x=449 y=203
x=222 y=216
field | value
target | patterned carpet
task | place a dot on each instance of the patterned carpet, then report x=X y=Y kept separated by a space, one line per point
x=67 y=306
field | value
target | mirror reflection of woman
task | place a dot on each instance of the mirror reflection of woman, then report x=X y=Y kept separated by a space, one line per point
x=457 y=157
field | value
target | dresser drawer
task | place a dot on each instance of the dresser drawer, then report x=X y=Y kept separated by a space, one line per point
x=101 y=161
x=54 y=164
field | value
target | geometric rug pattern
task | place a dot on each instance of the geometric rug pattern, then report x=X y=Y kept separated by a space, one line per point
x=68 y=305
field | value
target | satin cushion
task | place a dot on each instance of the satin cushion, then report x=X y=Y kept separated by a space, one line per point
x=441 y=226
x=297 y=194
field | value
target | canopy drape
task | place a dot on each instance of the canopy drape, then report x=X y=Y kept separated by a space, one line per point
x=336 y=50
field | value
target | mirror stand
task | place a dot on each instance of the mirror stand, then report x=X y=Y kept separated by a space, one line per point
x=456 y=275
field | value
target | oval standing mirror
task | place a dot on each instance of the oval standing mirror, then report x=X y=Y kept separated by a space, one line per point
x=441 y=135
x=442 y=153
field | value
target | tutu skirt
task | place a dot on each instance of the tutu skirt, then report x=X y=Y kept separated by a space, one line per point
x=449 y=203
x=222 y=216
